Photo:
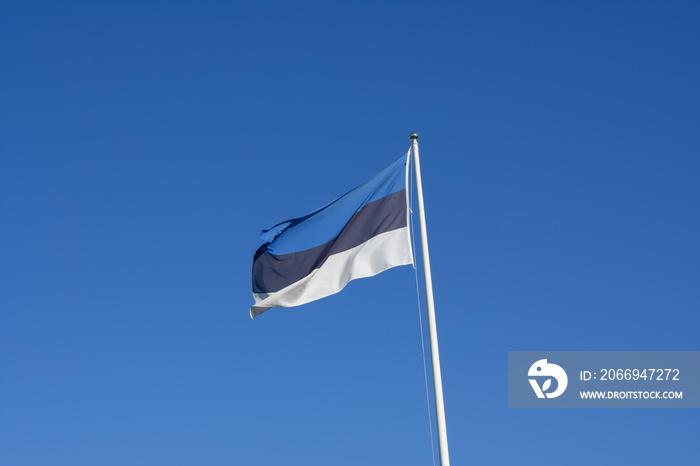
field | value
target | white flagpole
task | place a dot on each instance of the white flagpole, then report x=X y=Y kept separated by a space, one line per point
x=434 y=353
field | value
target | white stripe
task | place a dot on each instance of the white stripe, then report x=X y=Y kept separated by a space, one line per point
x=389 y=249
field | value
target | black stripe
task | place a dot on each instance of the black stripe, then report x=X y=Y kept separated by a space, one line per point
x=272 y=273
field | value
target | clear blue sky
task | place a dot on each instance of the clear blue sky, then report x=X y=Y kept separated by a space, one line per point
x=144 y=145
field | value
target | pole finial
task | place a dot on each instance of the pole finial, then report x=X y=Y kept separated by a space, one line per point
x=413 y=136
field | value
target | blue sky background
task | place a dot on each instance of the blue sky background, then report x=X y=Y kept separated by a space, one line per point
x=144 y=145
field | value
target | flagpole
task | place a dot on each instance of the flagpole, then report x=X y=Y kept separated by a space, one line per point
x=434 y=353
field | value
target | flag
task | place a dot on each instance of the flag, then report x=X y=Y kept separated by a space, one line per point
x=360 y=234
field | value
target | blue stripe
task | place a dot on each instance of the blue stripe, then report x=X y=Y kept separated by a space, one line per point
x=323 y=225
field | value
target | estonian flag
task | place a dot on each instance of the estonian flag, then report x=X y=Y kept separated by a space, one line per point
x=358 y=235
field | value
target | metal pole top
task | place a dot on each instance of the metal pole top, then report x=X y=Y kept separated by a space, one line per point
x=413 y=136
